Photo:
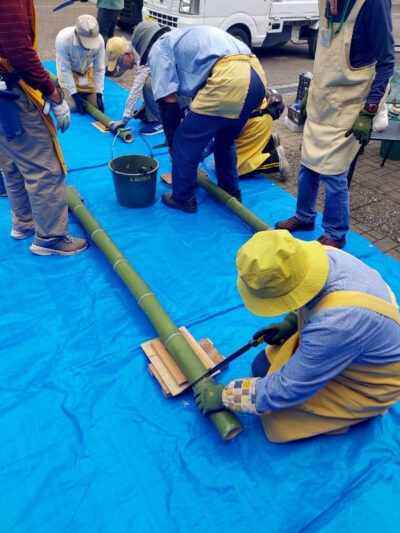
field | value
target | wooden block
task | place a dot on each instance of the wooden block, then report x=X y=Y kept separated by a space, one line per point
x=163 y=367
x=98 y=125
x=166 y=178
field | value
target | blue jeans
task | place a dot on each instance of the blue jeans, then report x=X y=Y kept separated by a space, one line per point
x=194 y=134
x=336 y=215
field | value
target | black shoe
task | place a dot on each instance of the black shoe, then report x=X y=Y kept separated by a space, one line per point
x=237 y=193
x=187 y=206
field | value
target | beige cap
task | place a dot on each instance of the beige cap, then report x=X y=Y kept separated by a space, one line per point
x=88 y=30
x=115 y=47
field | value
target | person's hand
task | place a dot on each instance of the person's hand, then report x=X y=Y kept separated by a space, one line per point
x=116 y=125
x=240 y=395
x=60 y=108
x=275 y=105
x=100 y=102
x=362 y=127
x=208 y=396
x=280 y=332
x=63 y=115
x=79 y=103
x=303 y=107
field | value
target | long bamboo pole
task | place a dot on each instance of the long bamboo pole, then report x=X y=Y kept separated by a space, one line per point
x=231 y=203
x=226 y=422
x=125 y=134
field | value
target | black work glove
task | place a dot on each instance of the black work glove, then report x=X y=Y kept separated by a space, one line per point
x=275 y=105
x=100 y=102
x=140 y=113
x=303 y=107
x=79 y=103
x=280 y=332
x=170 y=114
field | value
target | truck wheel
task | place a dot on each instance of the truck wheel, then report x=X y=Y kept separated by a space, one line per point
x=312 y=43
x=240 y=35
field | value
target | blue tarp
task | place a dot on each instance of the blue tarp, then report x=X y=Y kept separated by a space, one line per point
x=89 y=443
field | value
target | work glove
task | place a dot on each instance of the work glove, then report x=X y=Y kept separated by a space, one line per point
x=362 y=127
x=303 y=107
x=275 y=105
x=278 y=333
x=240 y=395
x=100 y=102
x=56 y=103
x=79 y=103
x=208 y=396
x=117 y=124
x=140 y=113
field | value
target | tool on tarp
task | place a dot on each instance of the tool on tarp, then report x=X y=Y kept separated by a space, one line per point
x=65 y=4
x=227 y=360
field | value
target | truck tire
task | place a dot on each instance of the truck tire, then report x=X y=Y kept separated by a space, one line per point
x=312 y=43
x=240 y=34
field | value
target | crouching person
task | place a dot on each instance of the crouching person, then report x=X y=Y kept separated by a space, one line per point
x=333 y=363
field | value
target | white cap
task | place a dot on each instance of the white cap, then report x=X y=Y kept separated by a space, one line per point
x=88 y=30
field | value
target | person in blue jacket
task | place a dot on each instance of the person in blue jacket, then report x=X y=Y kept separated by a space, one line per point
x=226 y=84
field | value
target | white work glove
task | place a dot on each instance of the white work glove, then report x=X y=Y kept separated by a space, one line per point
x=60 y=109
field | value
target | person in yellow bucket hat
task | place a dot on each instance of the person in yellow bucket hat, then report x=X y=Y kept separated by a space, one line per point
x=334 y=361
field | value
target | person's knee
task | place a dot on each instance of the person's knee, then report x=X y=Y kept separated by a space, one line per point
x=260 y=365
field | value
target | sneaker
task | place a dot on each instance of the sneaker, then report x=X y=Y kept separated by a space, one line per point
x=336 y=243
x=19 y=235
x=294 y=224
x=67 y=246
x=187 y=206
x=284 y=167
x=152 y=129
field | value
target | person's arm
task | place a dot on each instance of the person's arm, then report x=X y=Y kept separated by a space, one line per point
x=135 y=93
x=329 y=343
x=99 y=68
x=378 y=23
x=63 y=60
x=16 y=45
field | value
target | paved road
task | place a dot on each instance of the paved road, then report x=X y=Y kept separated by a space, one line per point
x=375 y=190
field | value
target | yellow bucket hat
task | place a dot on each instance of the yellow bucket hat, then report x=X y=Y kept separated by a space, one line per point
x=278 y=273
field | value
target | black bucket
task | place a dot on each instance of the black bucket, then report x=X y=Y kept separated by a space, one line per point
x=135 y=178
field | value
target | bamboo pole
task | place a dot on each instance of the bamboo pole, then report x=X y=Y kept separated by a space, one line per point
x=125 y=134
x=226 y=422
x=232 y=203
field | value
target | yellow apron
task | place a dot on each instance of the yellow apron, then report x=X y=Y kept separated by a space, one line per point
x=336 y=95
x=359 y=392
x=226 y=89
x=251 y=143
x=36 y=97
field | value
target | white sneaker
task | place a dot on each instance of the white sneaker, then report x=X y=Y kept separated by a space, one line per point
x=19 y=235
x=284 y=167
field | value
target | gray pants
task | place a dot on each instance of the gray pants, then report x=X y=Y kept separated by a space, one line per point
x=34 y=177
x=151 y=106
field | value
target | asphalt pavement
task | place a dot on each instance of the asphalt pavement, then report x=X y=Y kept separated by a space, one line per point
x=374 y=191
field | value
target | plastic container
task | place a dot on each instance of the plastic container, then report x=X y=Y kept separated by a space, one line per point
x=135 y=178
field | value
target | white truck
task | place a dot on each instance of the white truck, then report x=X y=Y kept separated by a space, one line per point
x=258 y=23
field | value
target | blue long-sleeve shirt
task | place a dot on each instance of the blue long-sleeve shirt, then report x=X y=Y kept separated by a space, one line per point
x=334 y=338
x=372 y=42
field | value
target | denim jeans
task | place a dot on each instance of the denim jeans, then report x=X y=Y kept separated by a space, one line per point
x=336 y=215
x=194 y=134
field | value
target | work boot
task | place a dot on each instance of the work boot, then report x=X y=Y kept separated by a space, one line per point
x=187 y=206
x=237 y=193
x=67 y=246
x=294 y=224
x=336 y=243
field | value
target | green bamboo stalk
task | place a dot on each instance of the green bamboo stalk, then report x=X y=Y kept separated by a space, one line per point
x=232 y=203
x=125 y=134
x=226 y=422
